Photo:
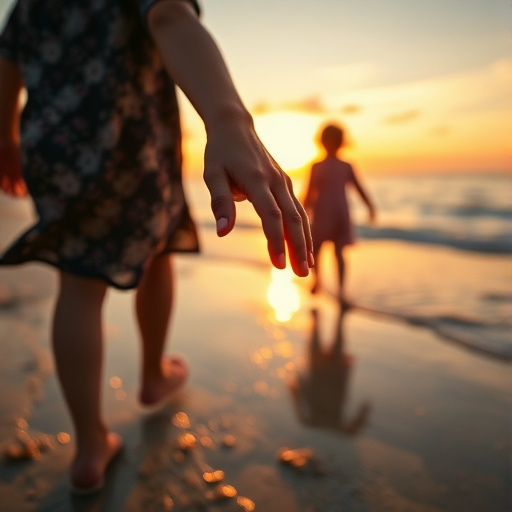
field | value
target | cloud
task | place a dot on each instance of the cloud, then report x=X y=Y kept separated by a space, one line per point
x=402 y=117
x=440 y=131
x=348 y=76
x=309 y=105
x=459 y=98
x=351 y=109
x=312 y=105
x=486 y=88
x=261 y=108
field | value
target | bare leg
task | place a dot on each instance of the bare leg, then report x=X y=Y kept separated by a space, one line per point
x=341 y=275
x=78 y=350
x=154 y=301
x=316 y=269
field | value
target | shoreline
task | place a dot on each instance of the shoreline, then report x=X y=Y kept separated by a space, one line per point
x=399 y=421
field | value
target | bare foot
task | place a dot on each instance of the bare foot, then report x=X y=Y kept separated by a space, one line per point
x=174 y=374
x=91 y=462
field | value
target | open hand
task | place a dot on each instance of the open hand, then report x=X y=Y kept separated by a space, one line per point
x=238 y=167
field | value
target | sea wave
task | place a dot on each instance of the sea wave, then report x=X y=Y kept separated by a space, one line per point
x=485 y=338
x=475 y=211
x=492 y=244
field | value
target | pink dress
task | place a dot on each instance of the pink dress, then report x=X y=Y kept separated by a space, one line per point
x=330 y=211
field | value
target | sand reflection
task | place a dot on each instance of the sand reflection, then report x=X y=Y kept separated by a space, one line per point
x=283 y=294
x=320 y=388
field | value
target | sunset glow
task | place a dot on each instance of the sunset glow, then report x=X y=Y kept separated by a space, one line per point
x=419 y=88
x=421 y=126
x=289 y=137
x=283 y=294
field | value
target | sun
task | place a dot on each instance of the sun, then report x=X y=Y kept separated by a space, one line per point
x=289 y=137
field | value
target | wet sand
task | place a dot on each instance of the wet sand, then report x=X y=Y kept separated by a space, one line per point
x=375 y=415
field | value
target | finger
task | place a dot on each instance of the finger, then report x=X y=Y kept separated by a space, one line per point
x=272 y=223
x=296 y=229
x=304 y=219
x=307 y=230
x=222 y=204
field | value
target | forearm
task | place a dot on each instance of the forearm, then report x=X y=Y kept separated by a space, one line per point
x=366 y=199
x=182 y=40
x=236 y=164
x=11 y=86
x=362 y=192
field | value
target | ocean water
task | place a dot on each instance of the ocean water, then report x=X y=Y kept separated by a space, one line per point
x=439 y=256
x=472 y=212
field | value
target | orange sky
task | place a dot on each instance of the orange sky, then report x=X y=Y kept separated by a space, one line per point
x=452 y=123
x=421 y=88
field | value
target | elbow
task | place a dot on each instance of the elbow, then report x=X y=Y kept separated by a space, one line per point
x=169 y=13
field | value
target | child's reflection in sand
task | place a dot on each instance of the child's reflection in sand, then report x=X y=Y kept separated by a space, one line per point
x=320 y=390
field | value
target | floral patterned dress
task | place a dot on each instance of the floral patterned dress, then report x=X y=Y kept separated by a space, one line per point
x=100 y=140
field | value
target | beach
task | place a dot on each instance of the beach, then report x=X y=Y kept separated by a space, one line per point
x=398 y=400
x=302 y=408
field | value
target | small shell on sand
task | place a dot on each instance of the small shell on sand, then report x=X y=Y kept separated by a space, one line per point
x=228 y=441
x=297 y=459
x=245 y=504
x=63 y=438
x=116 y=382
x=21 y=423
x=181 y=420
x=207 y=442
x=167 y=503
x=213 y=476
x=221 y=492
x=28 y=447
x=186 y=442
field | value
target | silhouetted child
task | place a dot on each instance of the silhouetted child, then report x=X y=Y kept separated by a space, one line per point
x=97 y=145
x=327 y=205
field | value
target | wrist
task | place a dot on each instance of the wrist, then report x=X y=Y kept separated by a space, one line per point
x=228 y=115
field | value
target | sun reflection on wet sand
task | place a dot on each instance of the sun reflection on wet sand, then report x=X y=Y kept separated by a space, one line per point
x=283 y=294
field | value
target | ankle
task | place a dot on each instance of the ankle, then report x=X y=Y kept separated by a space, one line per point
x=152 y=376
x=93 y=436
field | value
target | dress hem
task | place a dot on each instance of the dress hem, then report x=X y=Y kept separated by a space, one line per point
x=96 y=275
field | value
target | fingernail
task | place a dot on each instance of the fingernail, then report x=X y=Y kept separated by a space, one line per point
x=281 y=260
x=311 y=260
x=304 y=268
x=222 y=223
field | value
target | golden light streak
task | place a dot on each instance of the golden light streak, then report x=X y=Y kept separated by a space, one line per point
x=283 y=294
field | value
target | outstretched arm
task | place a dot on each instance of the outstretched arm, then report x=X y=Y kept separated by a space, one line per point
x=364 y=196
x=11 y=85
x=237 y=165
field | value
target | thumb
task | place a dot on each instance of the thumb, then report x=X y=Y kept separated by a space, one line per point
x=222 y=204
